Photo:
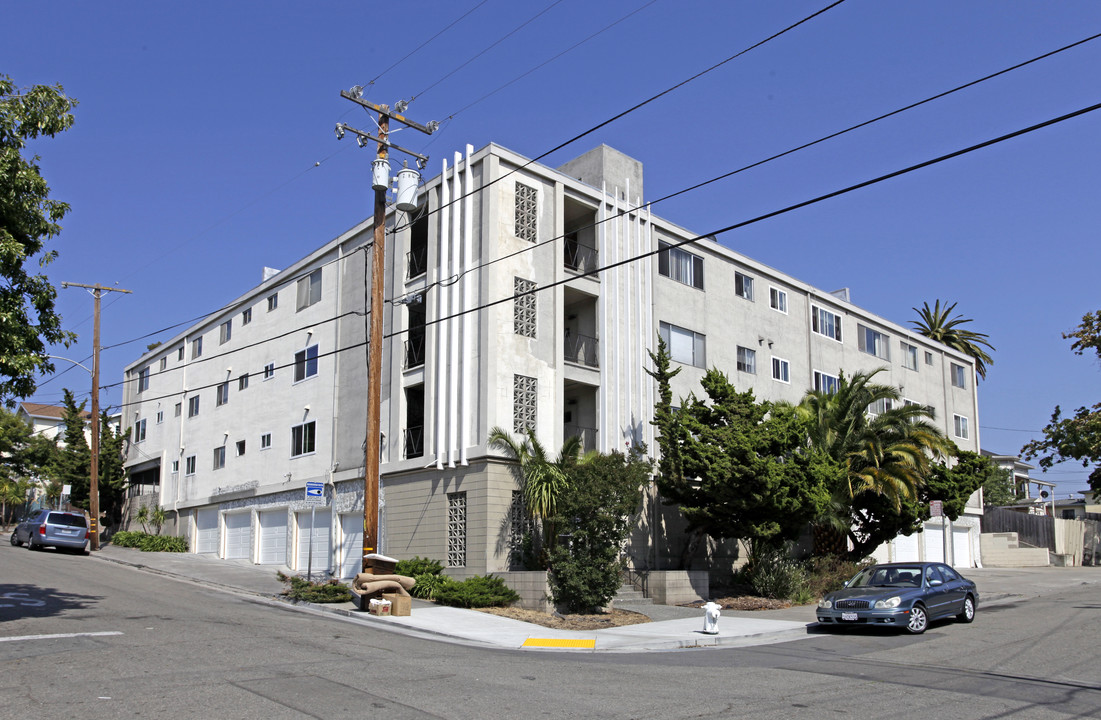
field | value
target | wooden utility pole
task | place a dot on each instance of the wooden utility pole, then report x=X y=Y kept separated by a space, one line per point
x=381 y=182
x=93 y=491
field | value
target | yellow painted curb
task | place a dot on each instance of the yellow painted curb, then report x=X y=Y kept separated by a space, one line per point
x=589 y=643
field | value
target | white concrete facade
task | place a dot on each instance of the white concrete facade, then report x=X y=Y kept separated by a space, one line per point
x=516 y=294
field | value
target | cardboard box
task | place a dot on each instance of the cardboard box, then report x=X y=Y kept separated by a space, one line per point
x=380 y=564
x=379 y=607
x=400 y=605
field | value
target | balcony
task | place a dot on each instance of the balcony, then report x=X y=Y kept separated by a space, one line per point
x=581 y=350
x=578 y=257
x=587 y=435
x=414 y=442
x=416 y=263
x=414 y=351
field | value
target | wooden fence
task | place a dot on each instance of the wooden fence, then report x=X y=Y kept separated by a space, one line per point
x=1032 y=530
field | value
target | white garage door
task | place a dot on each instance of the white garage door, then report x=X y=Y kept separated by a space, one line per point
x=934 y=543
x=906 y=548
x=351 y=546
x=273 y=537
x=206 y=530
x=961 y=547
x=319 y=529
x=238 y=536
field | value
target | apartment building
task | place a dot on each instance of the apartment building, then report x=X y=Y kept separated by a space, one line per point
x=519 y=296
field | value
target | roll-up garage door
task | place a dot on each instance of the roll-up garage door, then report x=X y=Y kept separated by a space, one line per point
x=319 y=528
x=206 y=530
x=238 y=535
x=273 y=537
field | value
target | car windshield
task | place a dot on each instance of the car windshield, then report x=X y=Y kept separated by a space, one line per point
x=892 y=576
x=60 y=518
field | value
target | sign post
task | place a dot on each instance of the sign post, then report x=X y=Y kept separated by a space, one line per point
x=315 y=495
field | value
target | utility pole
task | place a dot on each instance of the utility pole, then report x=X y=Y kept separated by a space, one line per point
x=93 y=491
x=381 y=184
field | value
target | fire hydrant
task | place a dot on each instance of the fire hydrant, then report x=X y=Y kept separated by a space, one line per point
x=711 y=618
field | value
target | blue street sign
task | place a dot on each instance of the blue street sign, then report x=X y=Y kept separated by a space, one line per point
x=315 y=493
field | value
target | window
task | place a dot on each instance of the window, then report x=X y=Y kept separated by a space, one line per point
x=781 y=370
x=269 y=371
x=523 y=310
x=680 y=265
x=873 y=342
x=175 y=466
x=160 y=416
x=164 y=363
x=242 y=382
x=273 y=301
x=143 y=379
x=778 y=300
x=196 y=347
x=743 y=286
x=747 y=360
x=960 y=426
x=189 y=465
x=524 y=397
x=684 y=345
x=880 y=406
x=309 y=290
x=825 y=323
x=225 y=332
x=825 y=383
x=222 y=396
x=240 y=448
x=193 y=406
x=527 y=212
x=180 y=353
x=928 y=358
x=265 y=441
x=179 y=408
x=139 y=430
x=305 y=363
x=303 y=439
x=456 y=529
x=219 y=457
x=959 y=376
x=246 y=316
x=909 y=356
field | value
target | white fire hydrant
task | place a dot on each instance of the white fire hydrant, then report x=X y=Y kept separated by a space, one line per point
x=711 y=618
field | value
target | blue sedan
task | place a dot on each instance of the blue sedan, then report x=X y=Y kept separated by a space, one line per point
x=902 y=595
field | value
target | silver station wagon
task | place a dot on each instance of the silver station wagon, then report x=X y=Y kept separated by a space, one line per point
x=52 y=528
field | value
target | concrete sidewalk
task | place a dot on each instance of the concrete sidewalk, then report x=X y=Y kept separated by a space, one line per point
x=673 y=628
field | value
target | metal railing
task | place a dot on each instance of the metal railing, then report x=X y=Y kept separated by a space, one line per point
x=414 y=442
x=581 y=349
x=414 y=351
x=579 y=258
x=416 y=263
x=586 y=434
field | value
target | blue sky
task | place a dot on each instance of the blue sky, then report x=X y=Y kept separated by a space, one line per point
x=203 y=149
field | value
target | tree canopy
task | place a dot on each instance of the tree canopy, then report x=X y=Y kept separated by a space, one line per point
x=28 y=217
x=935 y=324
x=1078 y=436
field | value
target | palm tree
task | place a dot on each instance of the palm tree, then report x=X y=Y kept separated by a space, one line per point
x=935 y=324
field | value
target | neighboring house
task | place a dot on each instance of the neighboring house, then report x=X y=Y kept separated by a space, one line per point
x=49 y=420
x=500 y=313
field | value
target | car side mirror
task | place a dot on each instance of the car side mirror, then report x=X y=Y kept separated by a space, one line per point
x=934 y=583
x=845 y=584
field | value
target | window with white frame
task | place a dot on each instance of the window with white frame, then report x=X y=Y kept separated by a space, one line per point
x=525 y=393
x=219 y=457
x=189 y=465
x=959 y=375
x=225 y=332
x=303 y=439
x=826 y=383
x=873 y=342
x=139 y=430
x=265 y=441
x=909 y=356
x=825 y=322
x=456 y=529
x=880 y=406
x=273 y=301
x=197 y=347
x=143 y=379
x=175 y=466
x=246 y=316
x=781 y=370
x=527 y=212
x=178 y=410
x=743 y=285
x=160 y=416
x=778 y=300
x=221 y=396
x=269 y=371
x=180 y=353
x=685 y=346
x=960 y=428
x=240 y=448
x=242 y=382
x=305 y=363
x=747 y=360
x=164 y=363
x=523 y=308
x=928 y=358
x=309 y=290
x=680 y=265
x=193 y=406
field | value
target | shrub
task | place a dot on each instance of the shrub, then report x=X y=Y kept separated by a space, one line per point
x=825 y=574
x=127 y=538
x=772 y=573
x=330 y=591
x=418 y=566
x=428 y=584
x=149 y=543
x=476 y=592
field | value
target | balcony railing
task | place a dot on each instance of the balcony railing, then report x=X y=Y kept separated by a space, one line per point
x=586 y=434
x=414 y=442
x=416 y=263
x=582 y=350
x=579 y=258
x=414 y=350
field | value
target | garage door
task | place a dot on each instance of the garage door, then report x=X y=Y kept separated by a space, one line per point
x=906 y=548
x=273 y=537
x=934 y=543
x=961 y=547
x=238 y=536
x=206 y=530
x=351 y=546
x=319 y=529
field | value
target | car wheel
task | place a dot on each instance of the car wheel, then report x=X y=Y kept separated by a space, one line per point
x=968 y=613
x=919 y=620
x=30 y=543
x=14 y=542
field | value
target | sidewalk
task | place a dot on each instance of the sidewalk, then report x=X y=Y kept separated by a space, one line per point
x=673 y=628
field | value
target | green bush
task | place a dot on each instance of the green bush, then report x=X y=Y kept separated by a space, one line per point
x=428 y=584
x=476 y=592
x=149 y=543
x=127 y=538
x=826 y=574
x=418 y=566
x=330 y=591
x=772 y=573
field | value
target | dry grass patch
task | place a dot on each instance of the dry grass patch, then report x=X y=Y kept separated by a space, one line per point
x=599 y=621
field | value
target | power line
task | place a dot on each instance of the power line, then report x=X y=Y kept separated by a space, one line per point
x=417 y=49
